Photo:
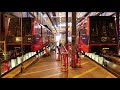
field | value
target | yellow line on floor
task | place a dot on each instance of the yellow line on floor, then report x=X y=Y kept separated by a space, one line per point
x=104 y=70
x=43 y=65
x=84 y=63
x=52 y=75
x=55 y=64
x=90 y=70
x=108 y=76
x=9 y=76
x=41 y=71
x=47 y=69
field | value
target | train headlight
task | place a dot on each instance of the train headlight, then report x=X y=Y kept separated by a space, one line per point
x=29 y=38
x=18 y=39
x=113 y=38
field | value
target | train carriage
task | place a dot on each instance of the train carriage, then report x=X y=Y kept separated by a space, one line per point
x=98 y=33
x=34 y=35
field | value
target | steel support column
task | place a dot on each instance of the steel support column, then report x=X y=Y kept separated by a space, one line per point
x=0 y=40
x=0 y=26
x=117 y=22
x=73 y=38
x=27 y=14
x=37 y=16
x=22 y=67
x=67 y=30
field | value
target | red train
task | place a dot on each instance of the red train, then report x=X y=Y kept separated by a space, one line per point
x=98 y=34
x=34 y=35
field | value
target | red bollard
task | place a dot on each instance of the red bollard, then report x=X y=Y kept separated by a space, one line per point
x=6 y=67
x=59 y=56
x=66 y=62
x=76 y=59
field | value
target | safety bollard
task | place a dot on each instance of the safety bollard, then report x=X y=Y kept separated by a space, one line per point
x=64 y=59
x=65 y=62
x=58 y=59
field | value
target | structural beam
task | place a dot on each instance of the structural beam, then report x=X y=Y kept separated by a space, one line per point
x=0 y=26
x=113 y=14
x=117 y=22
x=32 y=14
x=73 y=39
x=54 y=19
x=99 y=13
x=84 y=16
x=51 y=20
x=67 y=30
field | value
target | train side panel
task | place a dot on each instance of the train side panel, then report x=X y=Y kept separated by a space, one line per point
x=37 y=37
x=98 y=33
x=84 y=36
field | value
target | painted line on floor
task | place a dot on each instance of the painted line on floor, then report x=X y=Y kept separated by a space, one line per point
x=90 y=70
x=104 y=69
x=84 y=63
x=108 y=76
x=44 y=65
x=41 y=71
x=54 y=64
x=52 y=75
x=49 y=69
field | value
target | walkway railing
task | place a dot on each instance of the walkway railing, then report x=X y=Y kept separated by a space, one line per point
x=64 y=58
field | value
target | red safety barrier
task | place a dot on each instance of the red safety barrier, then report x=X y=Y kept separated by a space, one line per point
x=5 y=67
x=76 y=59
x=64 y=59
x=59 y=56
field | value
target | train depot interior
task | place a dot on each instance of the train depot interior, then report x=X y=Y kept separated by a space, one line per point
x=59 y=44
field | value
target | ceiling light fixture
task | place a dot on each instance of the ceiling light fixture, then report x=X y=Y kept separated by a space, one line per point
x=60 y=14
x=60 y=21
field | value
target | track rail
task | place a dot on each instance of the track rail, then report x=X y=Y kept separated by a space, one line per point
x=110 y=63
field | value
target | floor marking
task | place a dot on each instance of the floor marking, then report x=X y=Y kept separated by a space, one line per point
x=84 y=63
x=49 y=69
x=90 y=70
x=108 y=76
x=52 y=75
x=104 y=70
x=41 y=71
x=43 y=65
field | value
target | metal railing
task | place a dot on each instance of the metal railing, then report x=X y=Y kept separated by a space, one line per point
x=63 y=58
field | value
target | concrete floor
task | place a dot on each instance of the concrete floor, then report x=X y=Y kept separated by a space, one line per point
x=49 y=67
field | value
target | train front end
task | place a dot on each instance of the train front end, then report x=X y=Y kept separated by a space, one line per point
x=103 y=35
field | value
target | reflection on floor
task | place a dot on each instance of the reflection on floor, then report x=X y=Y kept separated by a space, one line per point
x=49 y=67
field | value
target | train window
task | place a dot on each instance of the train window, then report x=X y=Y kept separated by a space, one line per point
x=111 y=29
x=38 y=29
x=94 y=28
x=26 y=23
x=83 y=29
x=104 y=28
x=108 y=27
x=14 y=27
